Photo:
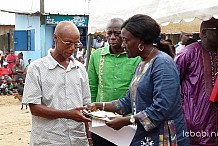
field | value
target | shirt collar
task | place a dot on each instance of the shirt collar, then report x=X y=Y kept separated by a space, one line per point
x=106 y=51
x=52 y=63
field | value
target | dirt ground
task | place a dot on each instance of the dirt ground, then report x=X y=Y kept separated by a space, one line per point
x=15 y=124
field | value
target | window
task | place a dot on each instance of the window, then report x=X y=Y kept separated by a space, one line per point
x=24 y=40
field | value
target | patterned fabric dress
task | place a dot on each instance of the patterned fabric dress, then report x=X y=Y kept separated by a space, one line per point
x=154 y=99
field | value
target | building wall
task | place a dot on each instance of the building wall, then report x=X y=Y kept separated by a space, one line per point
x=28 y=22
x=43 y=33
x=47 y=38
x=5 y=29
x=6 y=37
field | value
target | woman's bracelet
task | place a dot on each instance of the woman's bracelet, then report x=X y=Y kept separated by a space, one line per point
x=103 y=105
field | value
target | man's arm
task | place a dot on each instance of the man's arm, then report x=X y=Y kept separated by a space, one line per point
x=21 y=70
x=32 y=95
x=46 y=112
x=14 y=69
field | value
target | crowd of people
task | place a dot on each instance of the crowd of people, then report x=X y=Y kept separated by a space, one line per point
x=12 y=74
x=162 y=88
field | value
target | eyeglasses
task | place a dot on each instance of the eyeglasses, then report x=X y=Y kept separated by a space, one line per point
x=212 y=28
x=69 y=44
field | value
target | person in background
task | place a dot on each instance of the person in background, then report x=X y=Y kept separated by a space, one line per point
x=170 y=43
x=110 y=71
x=20 y=57
x=165 y=46
x=105 y=42
x=190 y=41
x=26 y=68
x=11 y=59
x=20 y=86
x=18 y=70
x=153 y=95
x=83 y=41
x=1 y=52
x=56 y=89
x=81 y=59
x=98 y=42
x=1 y=58
x=6 y=54
x=198 y=67
x=6 y=77
x=183 y=39
x=79 y=52
x=3 y=86
x=9 y=87
x=19 y=92
x=4 y=70
x=15 y=86
x=29 y=61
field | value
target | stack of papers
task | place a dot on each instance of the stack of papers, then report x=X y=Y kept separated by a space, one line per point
x=101 y=115
x=122 y=137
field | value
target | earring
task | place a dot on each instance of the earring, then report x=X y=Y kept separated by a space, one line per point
x=140 y=47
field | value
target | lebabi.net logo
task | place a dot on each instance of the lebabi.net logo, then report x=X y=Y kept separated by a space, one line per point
x=199 y=134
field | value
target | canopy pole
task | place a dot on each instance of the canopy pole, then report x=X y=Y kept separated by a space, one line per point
x=88 y=51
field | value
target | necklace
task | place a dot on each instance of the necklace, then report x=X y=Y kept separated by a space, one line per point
x=149 y=53
x=141 y=66
x=142 y=63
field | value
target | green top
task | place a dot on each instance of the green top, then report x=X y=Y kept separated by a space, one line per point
x=10 y=87
x=117 y=73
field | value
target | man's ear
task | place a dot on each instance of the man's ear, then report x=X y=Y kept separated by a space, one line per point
x=203 y=33
x=200 y=35
x=55 y=37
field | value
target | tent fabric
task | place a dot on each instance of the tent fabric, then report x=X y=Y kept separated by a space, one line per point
x=101 y=11
x=164 y=11
x=177 y=28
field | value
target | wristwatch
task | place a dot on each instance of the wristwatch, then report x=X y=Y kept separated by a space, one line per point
x=132 y=119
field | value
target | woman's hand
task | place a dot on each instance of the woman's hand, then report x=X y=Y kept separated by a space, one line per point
x=118 y=122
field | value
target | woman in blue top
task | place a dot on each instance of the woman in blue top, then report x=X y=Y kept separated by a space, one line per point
x=154 y=93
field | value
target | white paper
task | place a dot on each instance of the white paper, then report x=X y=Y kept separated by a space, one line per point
x=122 y=137
x=98 y=123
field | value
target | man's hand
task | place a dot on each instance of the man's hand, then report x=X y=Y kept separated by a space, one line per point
x=47 y=112
x=76 y=115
